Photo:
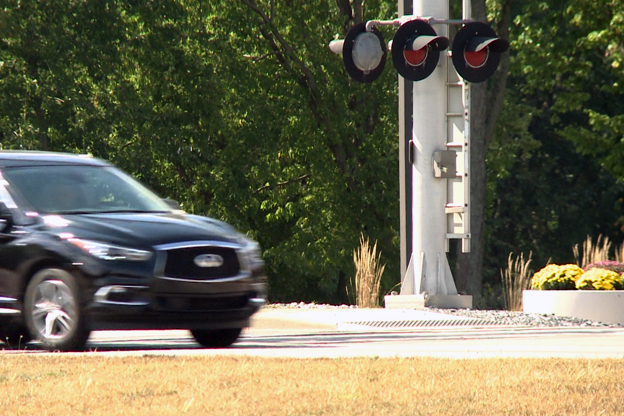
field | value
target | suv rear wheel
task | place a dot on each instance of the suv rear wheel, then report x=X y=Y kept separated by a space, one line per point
x=53 y=311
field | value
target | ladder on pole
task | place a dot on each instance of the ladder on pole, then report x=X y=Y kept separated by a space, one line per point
x=457 y=206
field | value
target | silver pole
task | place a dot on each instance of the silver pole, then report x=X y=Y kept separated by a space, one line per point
x=429 y=192
x=405 y=170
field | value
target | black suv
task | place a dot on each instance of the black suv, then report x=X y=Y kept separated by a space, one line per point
x=83 y=246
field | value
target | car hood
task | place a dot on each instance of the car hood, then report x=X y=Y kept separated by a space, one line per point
x=142 y=230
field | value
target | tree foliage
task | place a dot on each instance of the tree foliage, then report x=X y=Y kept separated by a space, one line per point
x=572 y=58
x=555 y=175
x=237 y=109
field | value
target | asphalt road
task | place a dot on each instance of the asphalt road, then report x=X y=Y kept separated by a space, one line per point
x=284 y=333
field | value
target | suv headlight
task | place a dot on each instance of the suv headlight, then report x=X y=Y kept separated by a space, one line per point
x=110 y=252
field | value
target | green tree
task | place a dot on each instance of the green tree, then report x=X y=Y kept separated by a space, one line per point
x=553 y=177
x=572 y=58
x=336 y=171
x=236 y=109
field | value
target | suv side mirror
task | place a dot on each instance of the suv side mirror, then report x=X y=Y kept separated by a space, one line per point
x=6 y=218
x=173 y=204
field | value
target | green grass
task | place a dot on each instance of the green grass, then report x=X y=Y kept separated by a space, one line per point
x=77 y=385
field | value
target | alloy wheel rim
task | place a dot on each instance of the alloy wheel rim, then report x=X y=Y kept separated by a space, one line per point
x=54 y=309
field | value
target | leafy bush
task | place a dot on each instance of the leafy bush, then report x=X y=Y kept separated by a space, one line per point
x=614 y=266
x=556 y=277
x=600 y=279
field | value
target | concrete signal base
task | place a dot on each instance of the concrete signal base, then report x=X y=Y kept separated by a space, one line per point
x=428 y=301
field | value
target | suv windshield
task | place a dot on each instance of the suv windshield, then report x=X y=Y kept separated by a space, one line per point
x=84 y=189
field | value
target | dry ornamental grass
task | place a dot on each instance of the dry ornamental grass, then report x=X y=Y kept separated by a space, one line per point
x=516 y=278
x=368 y=272
x=81 y=385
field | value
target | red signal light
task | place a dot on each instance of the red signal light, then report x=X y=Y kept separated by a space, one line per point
x=476 y=59
x=415 y=58
x=476 y=51
x=416 y=50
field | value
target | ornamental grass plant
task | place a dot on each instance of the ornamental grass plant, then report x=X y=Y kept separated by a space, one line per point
x=516 y=278
x=368 y=272
x=591 y=252
x=619 y=254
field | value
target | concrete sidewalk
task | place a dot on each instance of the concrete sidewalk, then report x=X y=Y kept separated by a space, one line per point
x=355 y=332
x=355 y=319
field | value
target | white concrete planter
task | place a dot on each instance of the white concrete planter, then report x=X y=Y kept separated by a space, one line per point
x=598 y=305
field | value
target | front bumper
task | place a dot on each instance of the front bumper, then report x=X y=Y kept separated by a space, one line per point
x=189 y=306
x=178 y=293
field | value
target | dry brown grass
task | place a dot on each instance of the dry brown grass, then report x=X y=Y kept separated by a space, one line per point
x=81 y=385
x=368 y=272
x=516 y=278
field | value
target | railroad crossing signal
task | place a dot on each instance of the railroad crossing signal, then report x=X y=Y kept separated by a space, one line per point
x=363 y=53
x=416 y=49
x=438 y=149
x=477 y=51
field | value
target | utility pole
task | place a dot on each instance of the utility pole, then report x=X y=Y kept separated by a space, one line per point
x=439 y=206
x=405 y=171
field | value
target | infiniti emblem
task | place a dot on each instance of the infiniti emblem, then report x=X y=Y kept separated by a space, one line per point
x=208 y=260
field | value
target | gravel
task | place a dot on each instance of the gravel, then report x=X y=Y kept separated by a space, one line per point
x=497 y=317
x=526 y=319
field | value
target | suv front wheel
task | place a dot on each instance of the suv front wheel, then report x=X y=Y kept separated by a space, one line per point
x=53 y=311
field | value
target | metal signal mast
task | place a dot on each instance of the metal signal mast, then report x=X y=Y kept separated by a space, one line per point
x=436 y=155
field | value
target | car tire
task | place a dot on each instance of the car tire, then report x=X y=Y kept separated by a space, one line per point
x=216 y=338
x=53 y=311
x=14 y=334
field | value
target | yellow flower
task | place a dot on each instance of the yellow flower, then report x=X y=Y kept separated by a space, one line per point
x=600 y=279
x=556 y=277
